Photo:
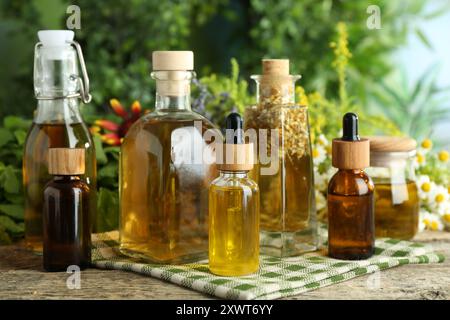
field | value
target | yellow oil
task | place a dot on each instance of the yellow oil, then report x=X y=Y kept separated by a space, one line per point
x=396 y=209
x=164 y=203
x=234 y=228
x=41 y=137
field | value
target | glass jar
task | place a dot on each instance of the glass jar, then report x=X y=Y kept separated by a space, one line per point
x=396 y=193
x=284 y=168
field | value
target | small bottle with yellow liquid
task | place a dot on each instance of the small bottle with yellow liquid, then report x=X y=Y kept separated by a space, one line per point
x=234 y=207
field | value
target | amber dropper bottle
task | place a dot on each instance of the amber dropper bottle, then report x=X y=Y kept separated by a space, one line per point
x=350 y=196
x=67 y=227
x=234 y=207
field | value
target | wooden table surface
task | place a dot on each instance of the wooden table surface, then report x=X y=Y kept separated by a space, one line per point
x=21 y=277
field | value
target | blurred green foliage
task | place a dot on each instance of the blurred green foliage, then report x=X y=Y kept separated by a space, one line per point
x=13 y=132
x=118 y=37
x=415 y=108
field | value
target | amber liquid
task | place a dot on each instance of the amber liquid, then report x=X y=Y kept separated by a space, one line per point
x=40 y=138
x=396 y=209
x=234 y=228
x=164 y=196
x=288 y=221
x=351 y=234
x=67 y=225
x=286 y=196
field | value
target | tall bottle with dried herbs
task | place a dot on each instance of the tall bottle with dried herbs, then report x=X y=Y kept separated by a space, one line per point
x=284 y=170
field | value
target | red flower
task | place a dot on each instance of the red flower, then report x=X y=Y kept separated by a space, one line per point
x=115 y=132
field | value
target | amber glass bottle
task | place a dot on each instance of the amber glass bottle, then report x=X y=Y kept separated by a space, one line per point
x=234 y=210
x=351 y=234
x=57 y=123
x=167 y=164
x=66 y=219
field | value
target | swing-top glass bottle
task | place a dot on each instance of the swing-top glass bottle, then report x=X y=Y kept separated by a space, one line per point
x=57 y=123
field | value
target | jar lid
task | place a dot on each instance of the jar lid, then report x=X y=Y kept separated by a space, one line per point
x=391 y=144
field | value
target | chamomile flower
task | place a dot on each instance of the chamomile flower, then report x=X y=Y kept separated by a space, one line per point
x=438 y=197
x=319 y=154
x=427 y=144
x=420 y=159
x=444 y=210
x=424 y=186
x=321 y=201
x=322 y=140
x=320 y=181
x=430 y=221
x=443 y=156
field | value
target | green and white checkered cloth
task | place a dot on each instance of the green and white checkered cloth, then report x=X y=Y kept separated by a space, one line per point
x=276 y=278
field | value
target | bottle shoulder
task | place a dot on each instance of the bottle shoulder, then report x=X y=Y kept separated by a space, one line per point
x=236 y=183
x=65 y=186
x=171 y=121
x=350 y=182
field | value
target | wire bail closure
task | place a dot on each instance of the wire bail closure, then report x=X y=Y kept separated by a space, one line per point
x=83 y=82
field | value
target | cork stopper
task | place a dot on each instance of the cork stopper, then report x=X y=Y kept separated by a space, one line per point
x=65 y=161
x=173 y=60
x=275 y=67
x=350 y=152
x=391 y=144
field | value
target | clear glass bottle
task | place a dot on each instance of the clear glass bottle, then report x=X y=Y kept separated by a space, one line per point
x=351 y=234
x=234 y=212
x=284 y=170
x=66 y=216
x=396 y=194
x=167 y=164
x=57 y=123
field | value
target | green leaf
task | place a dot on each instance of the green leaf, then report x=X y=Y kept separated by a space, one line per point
x=13 y=122
x=13 y=211
x=13 y=228
x=9 y=180
x=21 y=136
x=5 y=136
x=14 y=198
x=99 y=151
x=107 y=210
x=4 y=236
x=108 y=171
x=423 y=38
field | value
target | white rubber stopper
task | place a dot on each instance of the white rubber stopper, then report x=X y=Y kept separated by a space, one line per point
x=55 y=38
x=55 y=43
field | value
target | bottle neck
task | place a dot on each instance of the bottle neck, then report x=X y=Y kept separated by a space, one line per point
x=172 y=103
x=233 y=174
x=58 y=111
x=352 y=171
x=173 y=90
x=66 y=178
x=275 y=90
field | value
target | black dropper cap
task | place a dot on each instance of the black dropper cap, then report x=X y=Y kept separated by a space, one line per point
x=350 y=127
x=233 y=126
